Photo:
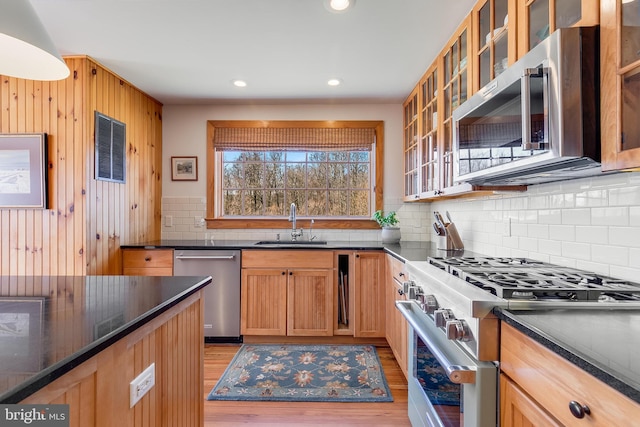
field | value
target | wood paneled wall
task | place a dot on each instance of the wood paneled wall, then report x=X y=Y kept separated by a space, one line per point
x=87 y=220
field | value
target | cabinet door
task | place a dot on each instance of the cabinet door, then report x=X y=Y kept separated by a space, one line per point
x=396 y=325
x=263 y=302
x=539 y=18
x=369 y=316
x=518 y=409
x=429 y=172
x=310 y=303
x=411 y=156
x=620 y=84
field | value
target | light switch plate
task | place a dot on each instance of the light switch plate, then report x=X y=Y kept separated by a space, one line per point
x=142 y=384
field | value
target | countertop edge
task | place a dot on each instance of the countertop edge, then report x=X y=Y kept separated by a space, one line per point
x=55 y=371
x=591 y=367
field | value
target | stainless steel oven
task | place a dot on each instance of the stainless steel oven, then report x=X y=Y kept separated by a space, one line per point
x=447 y=386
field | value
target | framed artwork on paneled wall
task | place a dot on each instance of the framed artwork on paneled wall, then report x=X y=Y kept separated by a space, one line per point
x=23 y=171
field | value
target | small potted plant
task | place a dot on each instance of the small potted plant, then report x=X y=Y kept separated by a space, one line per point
x=390 y=233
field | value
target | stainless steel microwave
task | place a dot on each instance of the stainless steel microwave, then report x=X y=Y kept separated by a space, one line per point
x=538 y=121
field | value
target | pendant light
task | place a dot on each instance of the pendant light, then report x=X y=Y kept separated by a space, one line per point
x=26 y=50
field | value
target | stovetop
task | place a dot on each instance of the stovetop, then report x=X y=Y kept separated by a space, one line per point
x=526 y=279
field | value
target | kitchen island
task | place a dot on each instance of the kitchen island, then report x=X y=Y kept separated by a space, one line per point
x=82 y=340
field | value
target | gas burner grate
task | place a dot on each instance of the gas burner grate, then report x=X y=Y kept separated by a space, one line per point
x=522 y=278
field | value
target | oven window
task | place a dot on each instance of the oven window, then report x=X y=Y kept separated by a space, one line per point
x=445 y=396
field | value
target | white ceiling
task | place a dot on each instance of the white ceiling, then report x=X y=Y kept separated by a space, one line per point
x=189 y=51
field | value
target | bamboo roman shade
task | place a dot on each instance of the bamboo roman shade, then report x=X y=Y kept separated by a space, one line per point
x=282 y=139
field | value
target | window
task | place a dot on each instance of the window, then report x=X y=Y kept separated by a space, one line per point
x=110 y=148
x=332 y=171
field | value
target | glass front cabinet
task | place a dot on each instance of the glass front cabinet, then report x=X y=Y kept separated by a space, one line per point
x=411 y=155
x=539 y=18
x=620 y=84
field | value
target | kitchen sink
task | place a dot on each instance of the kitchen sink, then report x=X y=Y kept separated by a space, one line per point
x=291 y=243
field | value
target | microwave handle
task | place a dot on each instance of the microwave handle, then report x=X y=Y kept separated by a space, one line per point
x=525 y=80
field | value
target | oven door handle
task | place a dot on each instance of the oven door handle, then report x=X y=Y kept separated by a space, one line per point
x=457 y=374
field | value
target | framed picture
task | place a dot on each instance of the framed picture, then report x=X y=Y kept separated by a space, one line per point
x=23 y=171
x=21 y=333
x=184 y=168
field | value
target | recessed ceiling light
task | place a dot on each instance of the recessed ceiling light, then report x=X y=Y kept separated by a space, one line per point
x=338 y=5
x=334 y=82
x=239 y=83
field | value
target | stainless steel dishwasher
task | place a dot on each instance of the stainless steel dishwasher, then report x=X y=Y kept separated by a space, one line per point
x=222 y=296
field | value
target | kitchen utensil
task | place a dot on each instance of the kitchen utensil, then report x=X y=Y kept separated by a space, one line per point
x=448 y=216
x=439 y=231
x=439 y=220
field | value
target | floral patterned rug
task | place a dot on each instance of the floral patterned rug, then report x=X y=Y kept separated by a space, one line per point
x=434 y=380
x=320 y=373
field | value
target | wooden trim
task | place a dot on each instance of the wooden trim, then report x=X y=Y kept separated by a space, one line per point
x=260 y=222
x=212 y=174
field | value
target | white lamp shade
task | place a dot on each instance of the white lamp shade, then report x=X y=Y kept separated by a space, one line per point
x=26 y=50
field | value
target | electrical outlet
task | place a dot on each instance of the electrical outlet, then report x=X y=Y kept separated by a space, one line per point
x=198 y=221
x=142 y=384
x=168 y=221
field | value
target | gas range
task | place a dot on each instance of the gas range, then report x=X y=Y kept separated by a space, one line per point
x=458 y=294
x=530 y=280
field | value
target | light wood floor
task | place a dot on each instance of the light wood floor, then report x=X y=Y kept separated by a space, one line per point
x=231 y=413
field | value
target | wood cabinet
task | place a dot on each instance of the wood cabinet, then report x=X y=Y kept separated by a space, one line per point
x=494 y=39
x=97 y=390
x=620 y=84
x=539 y=18
x=287 y=293
x=147 y=262
x=543 y=399
x=396 y=325
x=369 y=308
x=411 y=153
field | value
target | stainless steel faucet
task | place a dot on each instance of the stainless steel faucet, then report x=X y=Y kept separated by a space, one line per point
x=292 y=217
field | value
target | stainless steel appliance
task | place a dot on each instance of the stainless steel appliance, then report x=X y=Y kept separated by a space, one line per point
x=538 y=121
x=222 y=296
x=449 y=309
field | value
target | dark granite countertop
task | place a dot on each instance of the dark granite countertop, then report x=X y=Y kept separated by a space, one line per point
x=405 y=251
x=603 y=342
x=51 y=324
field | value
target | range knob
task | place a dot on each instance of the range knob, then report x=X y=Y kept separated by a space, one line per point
x=428 y=303
x=406 y=285
x=415 y=292
x=458 y=330
x=442 y=316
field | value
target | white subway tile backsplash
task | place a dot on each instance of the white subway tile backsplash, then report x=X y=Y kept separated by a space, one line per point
x=576 y=250
x=538 y=231
x=614 y=255
x=624 y=236
x=590 y=234
x=610 y=216
x=578 y=216
x=626 y=196
x=634 y=216
x=565 y=233
x=550 y=216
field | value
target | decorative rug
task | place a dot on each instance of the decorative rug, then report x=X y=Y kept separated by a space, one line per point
x=434 y=380
x=310 y=373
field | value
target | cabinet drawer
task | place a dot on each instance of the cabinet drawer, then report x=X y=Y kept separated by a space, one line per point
x=396 y=269
x=287 y=259
x=554 y=382
x=147 y=258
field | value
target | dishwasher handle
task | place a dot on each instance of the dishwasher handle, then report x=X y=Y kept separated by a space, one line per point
x=216 y=257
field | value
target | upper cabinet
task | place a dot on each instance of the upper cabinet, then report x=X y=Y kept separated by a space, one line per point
x=429 y=162
x=411 y=156
x=456 y=88
x=494 y=39
x=620 y=84
x=539 y=18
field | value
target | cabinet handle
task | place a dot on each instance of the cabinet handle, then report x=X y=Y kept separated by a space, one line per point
x=148 y=258
x=357 y=256
x=283 y=273
x=578 y=410
x=291 y=273
x=401 y=274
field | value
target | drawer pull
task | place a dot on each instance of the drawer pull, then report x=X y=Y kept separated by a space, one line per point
x=578 y=410
x=148 y=258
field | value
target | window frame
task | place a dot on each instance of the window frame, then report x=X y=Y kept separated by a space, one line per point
x=213 y=173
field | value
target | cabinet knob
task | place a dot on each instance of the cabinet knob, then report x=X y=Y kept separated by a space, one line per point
x=291 y=273
x=357 y=256
x=147 y=259
x=578 y=410
x=401 y=274
x=283 y=273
